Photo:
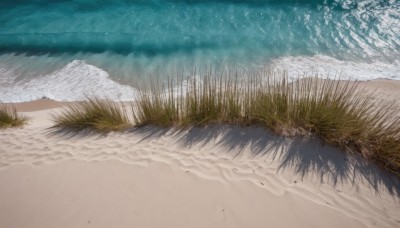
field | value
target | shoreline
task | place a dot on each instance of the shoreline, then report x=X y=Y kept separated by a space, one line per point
x=388 y=89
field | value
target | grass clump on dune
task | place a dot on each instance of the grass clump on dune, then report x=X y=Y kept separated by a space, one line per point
x=339 y=112
x=95 y=114
x=157 y=106
x=211 y=100
x=194 y=102
x=10 y=118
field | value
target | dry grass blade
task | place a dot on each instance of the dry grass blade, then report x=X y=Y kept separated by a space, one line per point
x=95 y=114
x=10 y=118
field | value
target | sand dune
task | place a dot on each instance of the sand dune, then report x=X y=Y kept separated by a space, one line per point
x=201 y=177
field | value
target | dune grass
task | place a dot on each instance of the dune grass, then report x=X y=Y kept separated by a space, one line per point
x=338 y=112
x=194 y=102
x=10 y=118
x=93 y=114
x=158 y=106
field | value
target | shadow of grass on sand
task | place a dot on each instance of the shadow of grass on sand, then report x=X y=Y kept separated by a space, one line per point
x=70 y=133
x=306 y=156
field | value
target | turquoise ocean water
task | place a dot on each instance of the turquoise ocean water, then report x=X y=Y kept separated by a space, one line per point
x=62 y=49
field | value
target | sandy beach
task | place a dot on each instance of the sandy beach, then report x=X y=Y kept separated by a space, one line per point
x=201 y=177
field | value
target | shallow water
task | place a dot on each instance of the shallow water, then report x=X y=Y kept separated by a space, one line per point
x=123 y=40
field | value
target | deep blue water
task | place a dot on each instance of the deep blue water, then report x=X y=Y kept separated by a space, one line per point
x=135 y=38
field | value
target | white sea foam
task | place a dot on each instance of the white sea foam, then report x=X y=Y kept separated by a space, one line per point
x=70 y=83
x=77 y=79
x=331 y=67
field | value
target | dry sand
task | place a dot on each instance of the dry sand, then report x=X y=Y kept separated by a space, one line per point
x=210 y=177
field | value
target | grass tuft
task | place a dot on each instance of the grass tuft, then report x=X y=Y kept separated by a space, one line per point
x=338 y=112
x=95 y=114
x=157 y=106
x=10 y=118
